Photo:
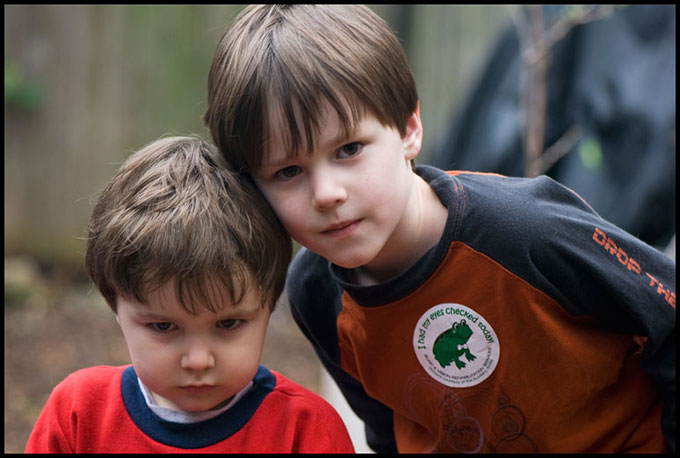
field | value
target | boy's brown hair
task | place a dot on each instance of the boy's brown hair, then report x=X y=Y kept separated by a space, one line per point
x=277 y=64
x=176 y=211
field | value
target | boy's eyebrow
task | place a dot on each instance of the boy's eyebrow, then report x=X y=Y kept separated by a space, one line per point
x=338 y=140
x=240 y=309
x=243 y=308
x=149 y=314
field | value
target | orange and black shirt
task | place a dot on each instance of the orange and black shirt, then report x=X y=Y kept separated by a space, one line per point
x=532 y=326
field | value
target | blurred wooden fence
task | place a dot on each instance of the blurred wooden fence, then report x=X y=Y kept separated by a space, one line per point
x=87 y=84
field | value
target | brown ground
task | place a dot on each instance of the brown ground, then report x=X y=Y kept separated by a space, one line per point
x=55 y=325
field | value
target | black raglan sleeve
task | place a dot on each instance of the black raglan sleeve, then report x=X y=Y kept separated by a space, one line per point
x=590 y=266
x=628 y=286
x=315 y=301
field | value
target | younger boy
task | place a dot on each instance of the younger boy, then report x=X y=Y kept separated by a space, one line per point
x=192 y=261
x=458 y=312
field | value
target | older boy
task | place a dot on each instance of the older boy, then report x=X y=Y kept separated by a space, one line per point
x=192 y=261
x=458 y=312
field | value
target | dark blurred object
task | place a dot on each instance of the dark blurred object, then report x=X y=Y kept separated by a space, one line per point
x=610 y=99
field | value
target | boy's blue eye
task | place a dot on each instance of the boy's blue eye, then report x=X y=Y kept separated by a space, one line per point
x=162 y=326
x=288 y=172
x=350 y=149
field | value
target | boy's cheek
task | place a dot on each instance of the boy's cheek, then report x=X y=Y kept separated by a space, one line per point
x=267 y=190
x=282 y=205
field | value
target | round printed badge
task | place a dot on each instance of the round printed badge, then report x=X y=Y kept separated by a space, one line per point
x=455 y=345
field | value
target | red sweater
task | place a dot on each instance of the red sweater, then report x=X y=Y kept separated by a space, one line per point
x=101 y=409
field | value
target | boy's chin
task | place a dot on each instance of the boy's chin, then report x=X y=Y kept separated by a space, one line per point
x=345 y=263
x=193 y=406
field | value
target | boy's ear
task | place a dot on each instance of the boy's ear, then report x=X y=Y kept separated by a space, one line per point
x=413 y=139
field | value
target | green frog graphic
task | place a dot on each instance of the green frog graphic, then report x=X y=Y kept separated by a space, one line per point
x=452 y=343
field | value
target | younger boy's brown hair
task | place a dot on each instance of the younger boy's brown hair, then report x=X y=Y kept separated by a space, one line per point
x=276 y=65
x=176 y=211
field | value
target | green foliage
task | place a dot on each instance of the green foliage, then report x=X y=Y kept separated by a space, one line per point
x=22 y=94
x=16 y=295
x=21 y=281
x=590 y=153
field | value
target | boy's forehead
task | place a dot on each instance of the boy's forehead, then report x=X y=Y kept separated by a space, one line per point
x=325 y=128
x=209 y=295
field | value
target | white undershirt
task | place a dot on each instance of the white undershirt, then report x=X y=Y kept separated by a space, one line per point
x=179 y=416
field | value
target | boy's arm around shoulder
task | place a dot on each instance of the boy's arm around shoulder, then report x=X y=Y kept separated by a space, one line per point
x=546 y=234
x=592 y=267
x=643 y=280
x=315 y=301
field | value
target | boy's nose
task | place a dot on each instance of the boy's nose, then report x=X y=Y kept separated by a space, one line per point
x=327 y=192
x=197 y=358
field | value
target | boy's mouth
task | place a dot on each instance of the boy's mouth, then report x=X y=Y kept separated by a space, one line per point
x=342 y=229
x=197 y=388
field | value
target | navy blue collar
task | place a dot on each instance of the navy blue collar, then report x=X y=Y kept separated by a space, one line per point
x=194 y=435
